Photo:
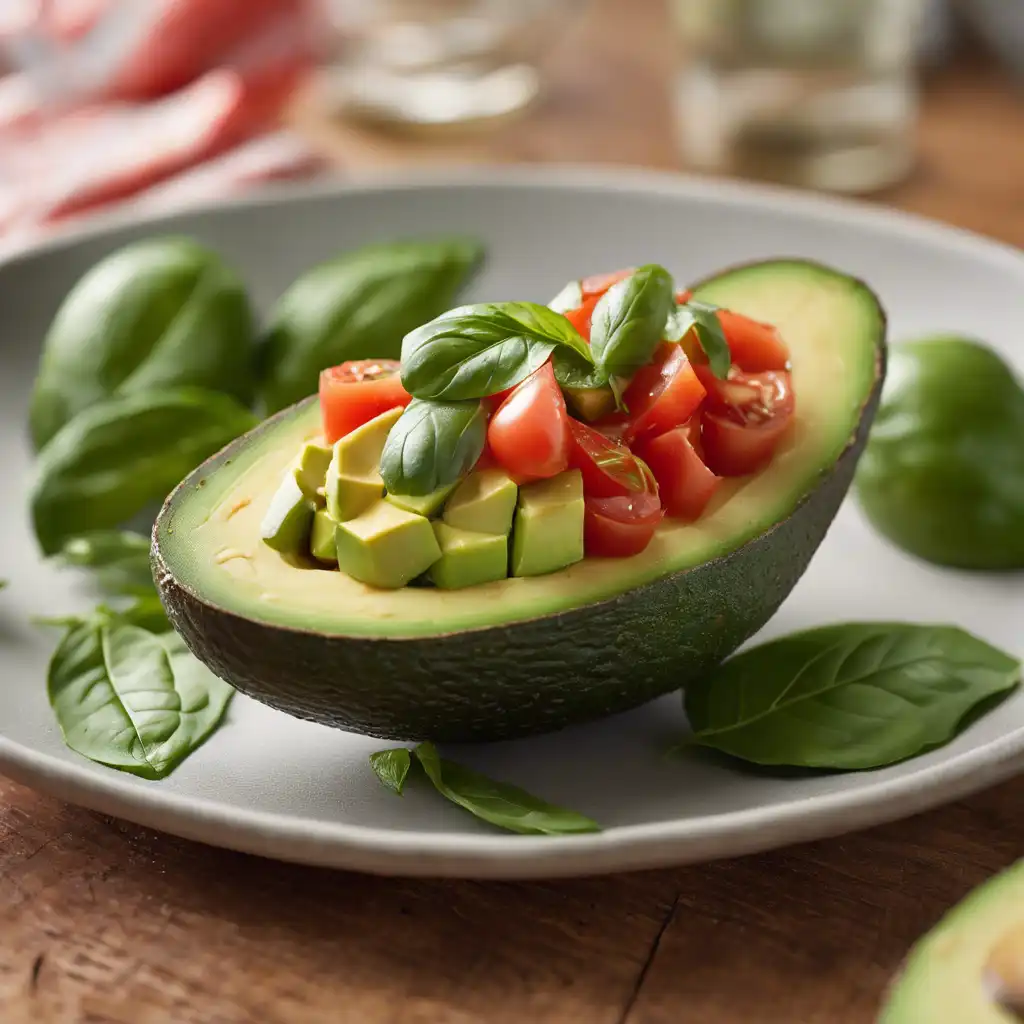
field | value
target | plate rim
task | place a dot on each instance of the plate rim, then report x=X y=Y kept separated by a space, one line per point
x=627 y=847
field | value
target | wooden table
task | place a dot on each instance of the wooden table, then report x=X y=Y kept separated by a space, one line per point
x=105 y=923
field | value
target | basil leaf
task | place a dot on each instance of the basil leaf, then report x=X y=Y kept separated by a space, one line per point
x=392 y=767
x=124 y=454
x=629 y=321
x=160 y=313
x=145 y=611
x=132 y=700
x=119 y=558
x=432 y=444
x=476 y=351
x=572 y=371
x=848 y=696
x=569 y=298
x=359 y=306
x=500 y=804
x=703 y=320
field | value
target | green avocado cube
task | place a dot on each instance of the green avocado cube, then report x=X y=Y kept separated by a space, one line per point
x=321 y=540
x=468 y=558
x=288 y=520
x=311 y=470
x=484 y=502
x=353 y=477
x=421 y=504
x=591 y=403
x=548 y=530
x=386 y=546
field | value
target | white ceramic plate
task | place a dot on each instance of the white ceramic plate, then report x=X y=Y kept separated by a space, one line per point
x=276 y=786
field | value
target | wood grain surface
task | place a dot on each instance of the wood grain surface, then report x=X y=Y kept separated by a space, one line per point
x=102 y=922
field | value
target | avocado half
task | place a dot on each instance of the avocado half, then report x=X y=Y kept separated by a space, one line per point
x=970 y=968
x=529 y=655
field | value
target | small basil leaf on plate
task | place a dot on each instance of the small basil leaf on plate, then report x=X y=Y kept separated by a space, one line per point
x=119 y=559
x=475 y=351
x=432 y=444
x=570 y=297
x=847 y=697
x=703 y=320
x=392 y=767
x=131 y=699
x=499 y=803
x=629 y=321
x=124 y=454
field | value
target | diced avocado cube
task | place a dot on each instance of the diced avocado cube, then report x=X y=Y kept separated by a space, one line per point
x=590 y=403
x=311 y=471
x=421 y=504
x=321 y=541
x=386 y=546
x=548 y=531
x=484 y=502
x=353 y=477
x=468 y=558
x=288 y=520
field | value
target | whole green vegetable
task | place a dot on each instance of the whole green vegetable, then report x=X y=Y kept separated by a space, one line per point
x=943 y=472
x=164 y=312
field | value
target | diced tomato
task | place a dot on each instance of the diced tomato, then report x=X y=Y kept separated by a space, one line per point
x=608 y=467
x=684 y=296
x=744 y=418
x=581 y=316
x=596 y=285
x=685 y=483
x=663 y=394
x=529 y=433
x=354 y=393
x=621 y=526
x=755 y=347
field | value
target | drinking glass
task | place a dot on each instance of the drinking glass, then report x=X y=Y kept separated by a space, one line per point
x=815 y=93
x=437 y=63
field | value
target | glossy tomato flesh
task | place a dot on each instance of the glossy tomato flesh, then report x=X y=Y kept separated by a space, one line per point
x=685 y=483
x=663 y=394
x=354 y=393
x=529 y=433
x=755 y=347
x=621 y=526
x=608 y=468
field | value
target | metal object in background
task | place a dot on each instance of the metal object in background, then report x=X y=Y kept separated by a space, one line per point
x=805 y=92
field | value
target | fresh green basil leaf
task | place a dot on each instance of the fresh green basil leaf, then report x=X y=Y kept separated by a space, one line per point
x=703 y=320
x=569 y=298
x=849 y=696
x=476 y=351
x=432 y=444
x=144 y=611
x=359 y=306
x=131 y=699
x=499 y=803
x=161 y=313
x=119 y=560
x=629 y=321
x=124 y=454
x=573 y=371
x=392 y=767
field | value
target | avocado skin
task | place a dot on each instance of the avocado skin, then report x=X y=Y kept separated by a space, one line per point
x=527 y=677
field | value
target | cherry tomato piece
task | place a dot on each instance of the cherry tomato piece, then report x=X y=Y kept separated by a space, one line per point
x=581 y=316
x=663 y=394
x=608 y=467
x=355 y=392
x=755 y=347
x=621 y=526
x=529 y=432
x=685 y=483
x=597 y=284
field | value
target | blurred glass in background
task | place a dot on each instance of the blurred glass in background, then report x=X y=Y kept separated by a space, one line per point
x=440 y=63
x=814 y=93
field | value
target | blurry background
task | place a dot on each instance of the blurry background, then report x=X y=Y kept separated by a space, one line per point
x=159 y=103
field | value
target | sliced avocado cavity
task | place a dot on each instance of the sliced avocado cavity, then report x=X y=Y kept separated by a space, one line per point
x=288 y=521
x=548 y=530
x=422 y=504
x=483 y=503
x=353 y=482
x=386 y=546
x=468 y=558
x=321 y=541
x=311 y=470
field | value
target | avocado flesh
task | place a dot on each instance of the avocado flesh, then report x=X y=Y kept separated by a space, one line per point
x=548 y=531
x=601 y=635
x=965 y=970
x=321 y=541
x=467 y=558
x=422 y=504
x=353 y=481
x=288 y=520
x=311 y=471
x=484 y=502
x=386 y=546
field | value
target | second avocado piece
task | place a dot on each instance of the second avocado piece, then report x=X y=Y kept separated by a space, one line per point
x=386 y=546
x=548 y=530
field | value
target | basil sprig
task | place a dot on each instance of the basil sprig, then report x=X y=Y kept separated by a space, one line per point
x=498 y=803
x=702 y=319
x=118 y=558
x=848 y=696
x=432 y=444
x=475 y=351
x=629 y=321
